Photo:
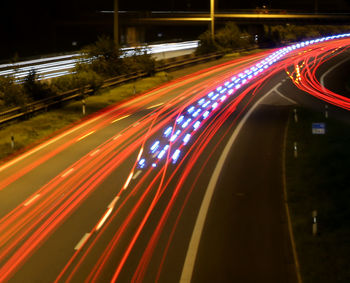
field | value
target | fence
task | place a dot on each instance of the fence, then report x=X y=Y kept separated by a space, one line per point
x=53 y=101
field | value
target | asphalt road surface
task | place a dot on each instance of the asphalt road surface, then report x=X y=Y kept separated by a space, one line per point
x=128 y=194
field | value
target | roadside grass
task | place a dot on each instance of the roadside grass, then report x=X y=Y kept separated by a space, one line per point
x=42 y=126
x=318 y=179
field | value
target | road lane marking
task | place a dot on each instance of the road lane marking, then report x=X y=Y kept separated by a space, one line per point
x=32 y=200
x=121 y=118
x=117 y=137
x=285 y=97
x=192 y=250
x=84 y=136
x=156 y=105
x=113 y=202
x=140 y=154
x=130 y=103
x=82 y=241
x=331 y=70
x=136 y=175
x=285 y=195
x=67 y=173
x=95 y=152
x=128 y=181
x=25 y=155
x=104 y=218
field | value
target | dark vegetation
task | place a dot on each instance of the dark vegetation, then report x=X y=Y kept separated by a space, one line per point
x=319 y=180
x=103 y=59
x=226 y=39
x=99 y=61
x=283 y=34
x=232 y=37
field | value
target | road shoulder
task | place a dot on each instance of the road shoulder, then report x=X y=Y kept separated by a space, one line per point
x=246 y=236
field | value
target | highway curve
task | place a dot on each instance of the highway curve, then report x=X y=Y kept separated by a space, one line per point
x=181 y=183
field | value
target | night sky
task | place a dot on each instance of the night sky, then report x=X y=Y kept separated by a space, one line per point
x=36 y=24
x=64 y=7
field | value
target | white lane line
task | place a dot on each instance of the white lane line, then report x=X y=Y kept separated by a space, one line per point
x=82 y=241
x=285 y=97
x=191 y=254
x=25 y=155
x=95 y=152
x=128 y=181
x=67 y=173
x=136 y=175
x=156 y=105
x=84 y=136
x=136 y=124
x=104 y=218
x=32 y=200
x=290 y=226
x=113 y=202
x=140 y=154
x=121 y=118
x=117 y=137
x=331 y=70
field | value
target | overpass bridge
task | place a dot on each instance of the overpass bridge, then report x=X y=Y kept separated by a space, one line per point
x=135 y=24
x=239 y=16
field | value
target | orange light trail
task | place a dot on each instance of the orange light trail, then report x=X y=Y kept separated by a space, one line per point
x=165 y=185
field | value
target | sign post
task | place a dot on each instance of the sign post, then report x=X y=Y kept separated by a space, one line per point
x=314 y=222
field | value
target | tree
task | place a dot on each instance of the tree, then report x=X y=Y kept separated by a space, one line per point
x=34 y=88
x=140 y=60
x=12 y=93
x=206 y=44
x=228 y=38
x=104 y=56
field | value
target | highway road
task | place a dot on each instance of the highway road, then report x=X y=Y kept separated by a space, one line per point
x=177 y=184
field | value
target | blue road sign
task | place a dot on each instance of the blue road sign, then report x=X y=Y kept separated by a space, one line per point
x=318 y=128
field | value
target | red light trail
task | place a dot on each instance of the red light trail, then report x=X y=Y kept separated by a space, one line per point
x=159 y=151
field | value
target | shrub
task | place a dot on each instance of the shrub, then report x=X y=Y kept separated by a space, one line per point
x=35 y=89
x=12 y=94
x=206 y=44
x=104 y=57
x=226 y=39
x=139 y=61
x=87 y=79
x=62 y=84
x=280 y=34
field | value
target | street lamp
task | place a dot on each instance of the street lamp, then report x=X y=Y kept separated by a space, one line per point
x=116 y=24
x=212 y=5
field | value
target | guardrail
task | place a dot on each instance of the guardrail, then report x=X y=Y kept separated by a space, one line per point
x=44 y=104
